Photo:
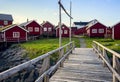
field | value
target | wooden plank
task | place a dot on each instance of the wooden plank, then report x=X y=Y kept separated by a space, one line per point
x=83 y=66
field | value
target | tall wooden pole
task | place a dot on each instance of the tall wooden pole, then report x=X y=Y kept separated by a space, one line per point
x=60 y=38
x=70 y=19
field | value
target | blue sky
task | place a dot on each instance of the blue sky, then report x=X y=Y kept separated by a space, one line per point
x=106 y=11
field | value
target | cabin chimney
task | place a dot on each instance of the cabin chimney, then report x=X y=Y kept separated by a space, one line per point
x=27 y=20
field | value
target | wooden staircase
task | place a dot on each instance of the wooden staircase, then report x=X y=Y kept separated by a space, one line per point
x=83 y=65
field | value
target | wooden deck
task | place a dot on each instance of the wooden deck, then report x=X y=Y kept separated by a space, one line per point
x=83 y=65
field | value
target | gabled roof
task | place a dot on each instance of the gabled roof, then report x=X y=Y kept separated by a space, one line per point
x=115 y=24
x=61 y=26
x=28 y=22
x=81 y=23
x=92 y=23
x=9 y=27
x=47 y=22
x=6 y=17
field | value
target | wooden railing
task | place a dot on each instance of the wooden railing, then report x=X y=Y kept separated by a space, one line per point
x=113 y=64
x=46 y=70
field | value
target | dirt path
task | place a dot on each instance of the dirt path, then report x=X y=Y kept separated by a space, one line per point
x=82 y=43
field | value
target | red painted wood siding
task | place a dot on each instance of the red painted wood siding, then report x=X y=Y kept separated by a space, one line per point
x=63 y=29
x=96 y=26
x=33 y=25
x=9 y=34
x=48 y=25
x=116 y=33
x=2 y=23
x=80 y=31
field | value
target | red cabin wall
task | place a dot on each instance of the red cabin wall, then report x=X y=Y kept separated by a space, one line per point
x=9 y=34
x=48 y=25
x=96 y=26
x=80 y=31
x=63 y=29
x=116 y=31
x=33 y=25
x=2 y=23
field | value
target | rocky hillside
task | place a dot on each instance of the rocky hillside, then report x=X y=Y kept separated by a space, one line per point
x=11 y=57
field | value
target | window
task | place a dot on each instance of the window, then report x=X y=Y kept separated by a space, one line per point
x=65 y=31
x=36 y=29
x=49 y=29
x=45 y=29
x=5 y=22
x=101 y=30
x=94 y=30
x=30 y=29
x=16 y=34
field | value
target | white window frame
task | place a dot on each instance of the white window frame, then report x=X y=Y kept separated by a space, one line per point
x=49 y=29
x=37 y=29
x=5 y=22
x=16 y=34
x=45 y=29
x=30 y=29
x=65 y=32
x=101 y=30
x=94 y=30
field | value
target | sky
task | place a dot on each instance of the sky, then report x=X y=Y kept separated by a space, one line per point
x=105 y=11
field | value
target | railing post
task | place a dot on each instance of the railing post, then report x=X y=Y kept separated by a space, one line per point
x=45 y=65
x=114 y=67
x=46 y=78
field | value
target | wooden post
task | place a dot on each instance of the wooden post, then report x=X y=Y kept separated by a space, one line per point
x=46 y=78
x=114 y=67
x=98 y=48
x=45 y=65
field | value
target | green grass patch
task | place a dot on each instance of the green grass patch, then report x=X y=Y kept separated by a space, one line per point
x=109 y=43
x=42 y=46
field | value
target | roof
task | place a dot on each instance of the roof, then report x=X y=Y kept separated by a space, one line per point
x=81 y=23
x=91 y=23
x=9 y=27
x=6 y=17
x=115 y=24
x=61 y=26
x=28 y=22
x=47 y=22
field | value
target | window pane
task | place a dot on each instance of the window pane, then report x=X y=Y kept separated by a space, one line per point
x=36 y=29
x=94 y=30
x=30 y=29
x=101 y=30
x=45 y=29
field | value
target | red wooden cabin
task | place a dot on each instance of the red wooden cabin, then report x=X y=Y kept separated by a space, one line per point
x=96 y=29
x=80 y=31
x=48 y=29
x=13 y=33
x=34 y=28
x=116 y=31
x=5 y=19
x=64 y=30
x=73 y=30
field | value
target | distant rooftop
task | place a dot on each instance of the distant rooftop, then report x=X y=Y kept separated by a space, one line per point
x=81 y=23
x=6 y=17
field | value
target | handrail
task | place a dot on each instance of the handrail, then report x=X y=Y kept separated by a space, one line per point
x=115 y=67
x=16 y=69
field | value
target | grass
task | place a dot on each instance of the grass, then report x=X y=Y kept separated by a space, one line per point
x=109 y=43
x=42 y=46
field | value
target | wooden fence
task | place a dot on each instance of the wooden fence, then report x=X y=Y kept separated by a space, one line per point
x=46 y=70
x=113 y=64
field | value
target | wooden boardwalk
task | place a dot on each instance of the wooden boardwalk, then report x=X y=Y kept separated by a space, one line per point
x=83 y=65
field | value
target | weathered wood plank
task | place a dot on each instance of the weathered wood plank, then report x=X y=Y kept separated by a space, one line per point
x=83 y=66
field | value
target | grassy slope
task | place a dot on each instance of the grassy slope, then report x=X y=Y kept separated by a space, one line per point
x=39 y=47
